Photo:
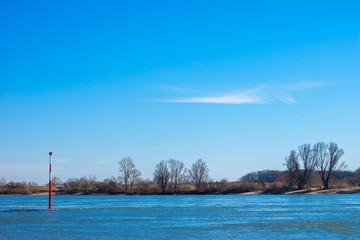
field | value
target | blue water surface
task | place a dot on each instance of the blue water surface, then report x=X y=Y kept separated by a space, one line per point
x=182 y=217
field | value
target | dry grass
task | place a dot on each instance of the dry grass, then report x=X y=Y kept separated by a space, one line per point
x=22 y=188
x=79 y=186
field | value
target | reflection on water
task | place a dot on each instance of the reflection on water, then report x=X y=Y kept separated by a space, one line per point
x=182 y=217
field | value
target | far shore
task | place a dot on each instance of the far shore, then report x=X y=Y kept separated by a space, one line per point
x=312 y=191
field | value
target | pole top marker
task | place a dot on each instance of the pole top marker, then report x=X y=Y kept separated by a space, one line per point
x=50 y=153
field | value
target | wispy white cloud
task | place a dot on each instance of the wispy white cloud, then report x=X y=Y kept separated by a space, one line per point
x=288 y=100
x=252 y=96
x=260 y=95
x=290 y=90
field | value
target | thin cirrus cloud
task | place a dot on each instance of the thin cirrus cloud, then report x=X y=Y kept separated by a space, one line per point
x=259 y=95
x=244 y=97
x=288 y=100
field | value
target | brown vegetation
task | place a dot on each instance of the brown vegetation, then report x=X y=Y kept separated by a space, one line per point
x=316 y=167
x=22 y=188
x=267 y=181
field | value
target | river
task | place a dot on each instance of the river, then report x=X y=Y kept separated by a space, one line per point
x=182 y=217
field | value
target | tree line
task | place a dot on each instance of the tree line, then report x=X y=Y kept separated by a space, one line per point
x=168 y=174
x=325 y=158
x=318 y=166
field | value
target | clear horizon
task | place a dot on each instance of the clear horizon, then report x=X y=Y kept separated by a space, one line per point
x=238 y=85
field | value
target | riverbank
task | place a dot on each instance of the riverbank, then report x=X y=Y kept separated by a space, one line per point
x=312 y=191
x=213 y=188
x=325 y=191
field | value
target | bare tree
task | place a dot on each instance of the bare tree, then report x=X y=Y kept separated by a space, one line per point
x=301 y=165
x=134 y=177
x=87 y=184
x=322 y=159
x=199 y=174
x=308 y=161
x=328 y=163
x=177 y=172
x=56 y=181
x=162 y=175
x=293 y=166
x=129 y=174
x=109 y=185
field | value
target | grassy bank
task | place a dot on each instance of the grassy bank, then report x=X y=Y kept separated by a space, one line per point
x=241 y=187
x=261 y=182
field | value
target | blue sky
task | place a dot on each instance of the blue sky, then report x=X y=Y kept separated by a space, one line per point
x=236 y=84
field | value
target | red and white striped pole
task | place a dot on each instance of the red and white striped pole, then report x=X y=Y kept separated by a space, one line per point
x=50 y=153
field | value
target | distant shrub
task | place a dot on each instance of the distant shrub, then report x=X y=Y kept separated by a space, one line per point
x=278 y=188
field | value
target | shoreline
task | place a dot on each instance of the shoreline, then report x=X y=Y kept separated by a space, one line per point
x=333 y=191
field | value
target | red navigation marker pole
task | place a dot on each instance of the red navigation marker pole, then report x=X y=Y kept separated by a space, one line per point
x=50 y=153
